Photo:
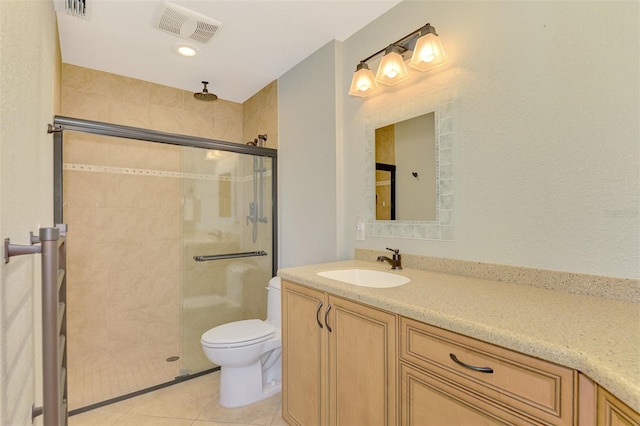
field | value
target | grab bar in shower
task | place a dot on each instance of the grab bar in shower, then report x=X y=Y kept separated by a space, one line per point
x=229 y=256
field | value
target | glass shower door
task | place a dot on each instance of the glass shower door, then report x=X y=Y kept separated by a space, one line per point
x=121 y=202
x=227 y=237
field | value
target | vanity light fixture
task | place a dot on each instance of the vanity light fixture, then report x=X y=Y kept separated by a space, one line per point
x=392 y=69
x=363 y=82
x=428 y=52
x=424 y=48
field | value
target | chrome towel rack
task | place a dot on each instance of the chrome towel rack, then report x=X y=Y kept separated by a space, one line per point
x=229 y=256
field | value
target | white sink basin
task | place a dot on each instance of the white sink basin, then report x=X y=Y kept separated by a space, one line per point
x=366 y=277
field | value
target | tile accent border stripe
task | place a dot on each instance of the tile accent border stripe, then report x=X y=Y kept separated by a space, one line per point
x=622 y=289
x=154 y=173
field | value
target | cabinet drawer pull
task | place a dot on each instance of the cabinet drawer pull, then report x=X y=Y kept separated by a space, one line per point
x=471 y=367
x=318 y=314
x=326 y=314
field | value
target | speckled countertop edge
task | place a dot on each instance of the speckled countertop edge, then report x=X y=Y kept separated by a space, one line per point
x=596 y=336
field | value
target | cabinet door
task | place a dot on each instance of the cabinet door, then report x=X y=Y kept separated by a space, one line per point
x=431 y=400
x=613 y=412
x=303 y=362
x=362 y=364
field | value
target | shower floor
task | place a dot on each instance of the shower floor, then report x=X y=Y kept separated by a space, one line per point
x=91 y=383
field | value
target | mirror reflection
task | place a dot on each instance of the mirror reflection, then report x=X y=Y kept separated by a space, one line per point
x=406 y=177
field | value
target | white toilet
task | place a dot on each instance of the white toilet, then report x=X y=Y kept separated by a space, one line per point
x=249 y=354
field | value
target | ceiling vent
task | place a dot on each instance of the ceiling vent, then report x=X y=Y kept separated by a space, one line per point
x=76 y=8
x=186 y=23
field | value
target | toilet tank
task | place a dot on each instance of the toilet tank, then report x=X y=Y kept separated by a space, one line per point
x=274 y=302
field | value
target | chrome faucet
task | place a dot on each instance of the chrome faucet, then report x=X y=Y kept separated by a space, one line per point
x=396 y=262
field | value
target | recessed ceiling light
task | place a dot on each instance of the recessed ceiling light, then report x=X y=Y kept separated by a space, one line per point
x=185 y=50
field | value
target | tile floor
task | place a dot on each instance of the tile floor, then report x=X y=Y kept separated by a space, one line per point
x=191 y=403
x=92 y=382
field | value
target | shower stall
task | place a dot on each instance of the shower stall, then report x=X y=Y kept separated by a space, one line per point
x=169 y=236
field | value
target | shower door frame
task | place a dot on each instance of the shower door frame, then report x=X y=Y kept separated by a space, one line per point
x=60 y=124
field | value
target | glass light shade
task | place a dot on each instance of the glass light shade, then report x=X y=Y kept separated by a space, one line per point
x=363 y=82
x=428 y=53
x=392 y=69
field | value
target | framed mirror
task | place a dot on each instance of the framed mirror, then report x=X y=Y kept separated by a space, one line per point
x=409 y=180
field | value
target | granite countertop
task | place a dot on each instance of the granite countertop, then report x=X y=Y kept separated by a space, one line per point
x=598 y=337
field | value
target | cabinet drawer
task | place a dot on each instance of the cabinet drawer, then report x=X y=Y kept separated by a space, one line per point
x=526 y=384
x=430 y=400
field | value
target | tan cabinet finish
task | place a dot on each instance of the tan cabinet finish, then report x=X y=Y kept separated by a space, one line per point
x=339 y=360
x=343 y=362
x=613 y=412
x=525 y=386
x=304 y=357
x=430 y=400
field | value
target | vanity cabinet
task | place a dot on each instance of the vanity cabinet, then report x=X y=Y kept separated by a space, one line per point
x=339 y=360
x=345 y=363
x=451 y=379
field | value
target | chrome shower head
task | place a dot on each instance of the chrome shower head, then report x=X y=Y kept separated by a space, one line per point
x=205 y=95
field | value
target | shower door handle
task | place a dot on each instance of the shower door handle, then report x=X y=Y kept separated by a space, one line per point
x=326 y=315
x=229 y=256
x=318 y=314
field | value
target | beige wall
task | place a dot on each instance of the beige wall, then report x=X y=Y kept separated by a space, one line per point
x=260 y=115
x=101 y=96
x=29 y=94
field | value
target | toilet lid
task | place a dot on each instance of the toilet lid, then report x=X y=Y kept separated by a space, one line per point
x=238 y=333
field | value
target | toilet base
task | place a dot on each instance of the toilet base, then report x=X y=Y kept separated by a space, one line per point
x=243 y=386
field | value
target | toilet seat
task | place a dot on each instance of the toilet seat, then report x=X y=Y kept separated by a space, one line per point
x=238 y=334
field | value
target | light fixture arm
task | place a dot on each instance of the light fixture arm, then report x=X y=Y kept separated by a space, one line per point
x=402 y=43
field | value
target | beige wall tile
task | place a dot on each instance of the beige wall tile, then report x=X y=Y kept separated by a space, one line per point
x=268 y=96
x=250 y=106
x=86 y=105
x=166 y=119
x=126 y=88
x=228 y=130
x=260 y=115
x=85 y=148
x=87 y=334
x=127 y=291
x=85 y=189
x=127 y=331
x=85 y=79
x=163 y=157
x=166 y=290
x=166 y=96
x=199 y=124
x=165 y=324
x=128 y=112
x=227 y=109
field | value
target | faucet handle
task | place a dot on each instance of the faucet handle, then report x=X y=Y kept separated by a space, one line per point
x=395 y=251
